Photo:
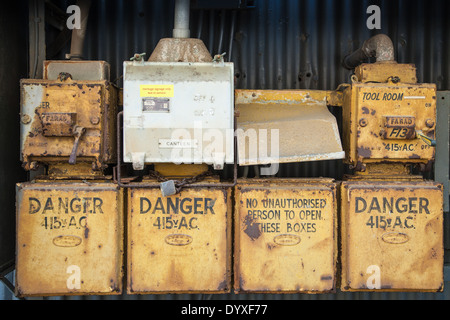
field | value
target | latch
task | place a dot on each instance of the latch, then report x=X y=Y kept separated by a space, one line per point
x=78 y=132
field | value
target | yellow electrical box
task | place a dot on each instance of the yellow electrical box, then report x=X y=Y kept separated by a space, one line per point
x=392 y=236
x=285 y=236
x=180 y=243
x=388 y=117
x=68 y=122
x=69 y=238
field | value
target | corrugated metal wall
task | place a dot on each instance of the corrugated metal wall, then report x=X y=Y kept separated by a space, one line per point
x=282 y=44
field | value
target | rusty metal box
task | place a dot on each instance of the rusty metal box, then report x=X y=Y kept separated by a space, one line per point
x=69 y=238
x=384 y=122
x=68 y=121
x=392 y=236
x=181 y=243
x=285 y=236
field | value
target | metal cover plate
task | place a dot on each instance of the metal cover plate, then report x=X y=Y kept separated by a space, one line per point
x=187 y=101
x=285 y=236
x=375 y=104
x=180 y=243
x=285 y=126
x=69 y=239
x=392 y=236
x=87 y=104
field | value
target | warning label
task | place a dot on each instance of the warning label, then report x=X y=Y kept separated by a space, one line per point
x=157 y=91
x=285 y=215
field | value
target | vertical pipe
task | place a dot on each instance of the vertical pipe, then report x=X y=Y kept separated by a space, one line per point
x=78 y=35
x=181 y=23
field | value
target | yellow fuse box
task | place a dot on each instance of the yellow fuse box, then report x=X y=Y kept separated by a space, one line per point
x=285 y=236
x=388 y=117
x=392 y=236
x=69 y=239
x=180 y=243
x=66 y=122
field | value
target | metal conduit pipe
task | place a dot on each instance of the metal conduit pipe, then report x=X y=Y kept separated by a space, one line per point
x=379 y=46
x=78 y=35
x=181 y=24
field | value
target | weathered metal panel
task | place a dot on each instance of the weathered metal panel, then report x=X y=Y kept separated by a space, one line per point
x=69 y=238
x=278 y=120
x=178 y=112
x=392 y=236
x=285 y=236
x=443 y=147
x=382 y=122
x=53 y=112
x=181 y=243
x=79 y=70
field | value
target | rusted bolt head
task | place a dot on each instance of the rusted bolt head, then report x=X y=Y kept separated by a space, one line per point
x=95 y=120
x=429 y=123
x=363 y=122
x=26 y=119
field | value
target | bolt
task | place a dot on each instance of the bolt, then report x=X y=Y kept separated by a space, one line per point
x=363 y=122
x=26 y=119
x=95 y=120
x=429 y=123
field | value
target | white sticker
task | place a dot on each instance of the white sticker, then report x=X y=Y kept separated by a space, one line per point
x=177 y=144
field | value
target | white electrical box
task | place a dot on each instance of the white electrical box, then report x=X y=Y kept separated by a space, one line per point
x=178 y=112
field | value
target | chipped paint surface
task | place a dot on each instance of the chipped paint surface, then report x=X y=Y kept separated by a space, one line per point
x=285 y=236
x=382 y=119
x=181 y=243
x=55 y=109
x=61 y=225
x=395 y=228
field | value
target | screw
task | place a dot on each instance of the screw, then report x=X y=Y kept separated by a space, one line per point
x=26 y=119
x=94 y=120
x=363 y=122
x=429 y=123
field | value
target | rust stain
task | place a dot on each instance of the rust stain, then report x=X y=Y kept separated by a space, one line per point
x=50 y=136
x=364 y=152
x=224 y=285
x=251 y=228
